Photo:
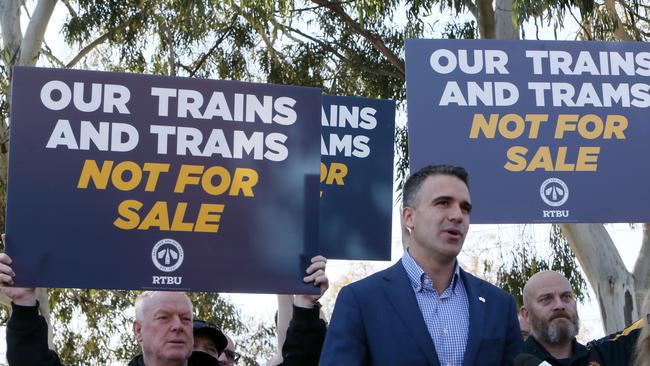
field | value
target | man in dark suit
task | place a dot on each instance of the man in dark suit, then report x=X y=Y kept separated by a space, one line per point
x=425 y=310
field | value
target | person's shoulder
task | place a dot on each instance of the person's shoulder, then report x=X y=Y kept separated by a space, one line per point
x=377 y=279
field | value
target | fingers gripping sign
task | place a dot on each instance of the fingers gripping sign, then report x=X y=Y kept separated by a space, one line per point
x=19 y=295
x=316 y=275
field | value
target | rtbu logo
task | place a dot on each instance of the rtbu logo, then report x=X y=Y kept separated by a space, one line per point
x=555 y=193
x=167 y=255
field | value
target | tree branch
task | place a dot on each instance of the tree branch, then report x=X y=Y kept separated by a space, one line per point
x=71 y=10
x=11 y=33
x=260 y=31
x=199 y=63
x=368 y=35
x=47 y=53
x=581 y=23
x=471 y=7
x=99 y=40
x=35 y=32
x=635 y=13
x=328 y=47
x=619 y=29
x=642 y=266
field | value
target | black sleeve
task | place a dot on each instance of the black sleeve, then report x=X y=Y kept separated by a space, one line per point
x=618 y=348
x=305 y=337
x=27 y=339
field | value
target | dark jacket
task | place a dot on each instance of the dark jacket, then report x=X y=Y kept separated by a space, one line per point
x=618 y=348
x=613 y=350
x=27 y=339
x=305 y=338
x=378 y=321
x=580 y=353
x=196 y=359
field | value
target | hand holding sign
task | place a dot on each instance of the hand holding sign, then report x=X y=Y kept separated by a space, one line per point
x=18 y=295
x=315 y=275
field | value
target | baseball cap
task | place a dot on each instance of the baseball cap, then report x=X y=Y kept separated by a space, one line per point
x=212 y=331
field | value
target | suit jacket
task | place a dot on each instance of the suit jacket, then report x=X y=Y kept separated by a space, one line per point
x=377 y=321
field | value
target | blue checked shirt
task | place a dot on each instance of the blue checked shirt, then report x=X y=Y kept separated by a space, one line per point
x=446 y=315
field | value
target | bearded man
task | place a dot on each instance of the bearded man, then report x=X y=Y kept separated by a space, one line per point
x=550 y=311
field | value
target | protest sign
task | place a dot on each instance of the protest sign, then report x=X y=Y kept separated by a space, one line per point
x=548 y=130
x=148 y=182
x=356 y=176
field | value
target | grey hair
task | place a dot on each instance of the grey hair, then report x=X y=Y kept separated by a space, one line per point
x=142 y=299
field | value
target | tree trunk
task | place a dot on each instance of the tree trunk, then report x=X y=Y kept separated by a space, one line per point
x=11 y=34
x=506 y=26
x=35 y=33
x=486 y=19
x=619 y=28
x=642 y=267
x=613 y=284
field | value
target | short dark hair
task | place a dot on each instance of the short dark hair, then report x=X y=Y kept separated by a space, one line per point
x=414 y=181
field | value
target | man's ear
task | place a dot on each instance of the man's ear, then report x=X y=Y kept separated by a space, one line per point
x=524 y=313
x=407 y=218
x=137 y=330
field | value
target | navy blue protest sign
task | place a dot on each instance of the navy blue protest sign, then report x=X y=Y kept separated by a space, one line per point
x=546 y=129
x=356 y=175
x=148 y=182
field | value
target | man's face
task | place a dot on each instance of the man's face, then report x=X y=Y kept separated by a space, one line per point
x=165 y=330
x=228 y=357
x=552 y=313
x=439 y=220
x=205 y=343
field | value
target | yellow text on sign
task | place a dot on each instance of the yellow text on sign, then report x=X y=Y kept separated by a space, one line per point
x=158 y=217
x=128 y=175
x=333 y=174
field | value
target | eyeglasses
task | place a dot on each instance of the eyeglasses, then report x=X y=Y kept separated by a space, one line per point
x=232 y=355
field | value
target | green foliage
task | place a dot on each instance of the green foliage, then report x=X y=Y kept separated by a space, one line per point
x=465 y=30
x=258 y=345
x=402 y=151
x=524 y=260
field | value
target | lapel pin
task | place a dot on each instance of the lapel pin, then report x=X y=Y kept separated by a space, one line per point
x=481 y=299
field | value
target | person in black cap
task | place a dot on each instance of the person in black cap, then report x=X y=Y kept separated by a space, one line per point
x=208 y=338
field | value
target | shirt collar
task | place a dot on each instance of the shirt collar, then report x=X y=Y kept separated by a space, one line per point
x=419 y=279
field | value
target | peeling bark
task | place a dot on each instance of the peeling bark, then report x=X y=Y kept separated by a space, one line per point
x=606 y=273
x=35 y=33
x=11 y=34
x=641 y=271
x=506 y=28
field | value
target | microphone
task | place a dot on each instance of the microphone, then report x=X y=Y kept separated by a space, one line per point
x=526 y=359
